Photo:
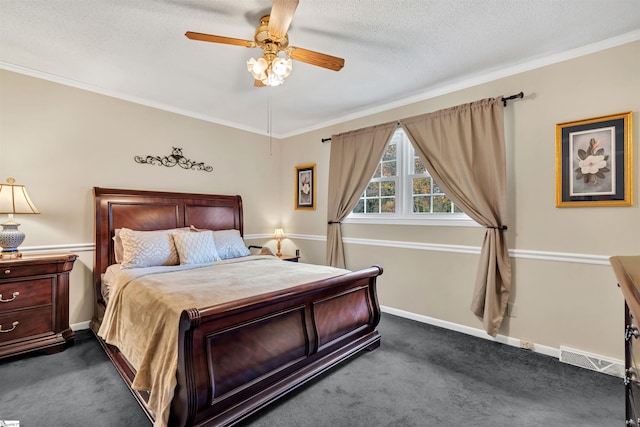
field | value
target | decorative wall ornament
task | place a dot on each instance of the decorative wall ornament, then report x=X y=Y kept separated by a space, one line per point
x=175 y=158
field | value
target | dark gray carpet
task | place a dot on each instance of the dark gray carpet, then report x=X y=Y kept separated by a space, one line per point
x=420 y=376
x=77 y=387
x=428 y=376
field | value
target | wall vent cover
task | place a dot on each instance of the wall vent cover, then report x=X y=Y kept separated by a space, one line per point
x=593 y=362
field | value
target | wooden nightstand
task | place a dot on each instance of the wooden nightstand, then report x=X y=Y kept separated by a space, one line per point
x=292 y=258
x=34 y=304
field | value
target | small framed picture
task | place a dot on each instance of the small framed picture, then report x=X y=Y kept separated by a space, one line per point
x=305 y=179
x=593 y=162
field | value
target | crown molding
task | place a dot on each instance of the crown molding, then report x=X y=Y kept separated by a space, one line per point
x=422 y=96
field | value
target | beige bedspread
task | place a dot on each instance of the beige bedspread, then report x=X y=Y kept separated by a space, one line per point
x=144 y=309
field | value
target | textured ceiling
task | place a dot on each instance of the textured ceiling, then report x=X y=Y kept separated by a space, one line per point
x=395 y=50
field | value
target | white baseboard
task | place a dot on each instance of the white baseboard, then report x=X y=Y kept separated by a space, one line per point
x=80 y=326
x=538 y=348
x=612 y=366
x=549 y=351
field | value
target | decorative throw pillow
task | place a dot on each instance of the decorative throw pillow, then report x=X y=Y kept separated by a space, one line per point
x=196 y=248
x=117 y=242
x=147 y=248
x=229 y=244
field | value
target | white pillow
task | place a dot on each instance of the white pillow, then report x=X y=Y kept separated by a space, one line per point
x=117 y=246
x=147 y=248
x=117 y=242
x=196 y=248
x=229 y=244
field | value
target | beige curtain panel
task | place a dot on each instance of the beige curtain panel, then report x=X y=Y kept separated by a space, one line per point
x=352 y=162
x=463 y=149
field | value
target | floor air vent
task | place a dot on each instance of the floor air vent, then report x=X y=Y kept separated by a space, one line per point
x=592 y=362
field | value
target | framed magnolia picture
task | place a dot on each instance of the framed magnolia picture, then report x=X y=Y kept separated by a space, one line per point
x=593 y=162
x=305 y=179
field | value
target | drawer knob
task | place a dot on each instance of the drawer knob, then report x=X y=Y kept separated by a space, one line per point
x=14 y=324
x=15 y=295
x=7 y=271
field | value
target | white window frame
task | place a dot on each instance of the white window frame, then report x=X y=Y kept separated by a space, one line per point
x=404 y=192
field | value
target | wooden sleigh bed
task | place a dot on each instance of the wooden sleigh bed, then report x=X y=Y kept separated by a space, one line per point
x=277 y=341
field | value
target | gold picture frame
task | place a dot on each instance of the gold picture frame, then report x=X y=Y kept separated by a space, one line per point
x=305 y=187
x=594 y=162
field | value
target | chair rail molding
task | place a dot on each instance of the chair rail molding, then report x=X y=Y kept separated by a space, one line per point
x=435 y=247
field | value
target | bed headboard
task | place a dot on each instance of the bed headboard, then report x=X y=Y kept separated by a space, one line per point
x=156 y=210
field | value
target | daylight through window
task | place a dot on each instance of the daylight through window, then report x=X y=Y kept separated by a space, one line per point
x=401 y=188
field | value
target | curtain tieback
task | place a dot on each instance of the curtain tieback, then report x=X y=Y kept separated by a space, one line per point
x=500 y=227
x=334 y=222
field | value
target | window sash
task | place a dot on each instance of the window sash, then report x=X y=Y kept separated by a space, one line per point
x=410 y=175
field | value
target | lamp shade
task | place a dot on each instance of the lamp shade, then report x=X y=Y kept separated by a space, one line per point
x=15 y=200
x=279 y=234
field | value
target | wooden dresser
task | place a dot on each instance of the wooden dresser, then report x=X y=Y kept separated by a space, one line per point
x=34 y=304
x=627 y=271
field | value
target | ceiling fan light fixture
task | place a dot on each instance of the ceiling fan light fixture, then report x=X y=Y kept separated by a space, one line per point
x=269 y=70
x=282 y=67
x=272 y=78
x=257 y=67
x=271 y=36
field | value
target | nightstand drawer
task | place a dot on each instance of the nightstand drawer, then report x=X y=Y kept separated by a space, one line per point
x=25 y=323
x=10 y=271
x=25 y=293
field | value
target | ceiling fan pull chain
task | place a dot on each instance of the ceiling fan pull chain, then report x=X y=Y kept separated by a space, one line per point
x=269 y=120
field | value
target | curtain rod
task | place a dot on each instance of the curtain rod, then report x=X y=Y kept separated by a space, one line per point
x=504 y=103
x=508 y=98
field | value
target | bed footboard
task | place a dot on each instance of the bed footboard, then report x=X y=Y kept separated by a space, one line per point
x=235 y=359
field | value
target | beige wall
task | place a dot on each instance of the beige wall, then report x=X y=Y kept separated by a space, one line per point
x=569 y=298
x=61 y=141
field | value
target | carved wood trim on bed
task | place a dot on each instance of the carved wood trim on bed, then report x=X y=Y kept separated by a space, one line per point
x=237 y=357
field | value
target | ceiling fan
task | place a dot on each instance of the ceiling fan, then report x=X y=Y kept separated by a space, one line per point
x=271 y=36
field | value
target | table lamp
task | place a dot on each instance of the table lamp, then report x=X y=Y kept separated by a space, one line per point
x=279 y=234
x=13 y=200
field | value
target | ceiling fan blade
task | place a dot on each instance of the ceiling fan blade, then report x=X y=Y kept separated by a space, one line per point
x=258 y=83
x=315 y=58
x=219 y=39
x=281 y=15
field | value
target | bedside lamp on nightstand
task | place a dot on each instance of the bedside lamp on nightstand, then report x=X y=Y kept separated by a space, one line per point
x=13 y=200
x=279 y=234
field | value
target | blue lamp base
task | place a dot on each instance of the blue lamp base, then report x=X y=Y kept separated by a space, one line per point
x=10 y=239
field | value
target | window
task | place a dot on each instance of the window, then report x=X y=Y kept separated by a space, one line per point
x=402 y=191
x=380 y=195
